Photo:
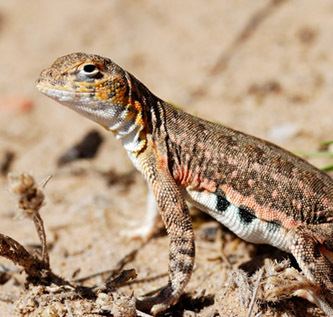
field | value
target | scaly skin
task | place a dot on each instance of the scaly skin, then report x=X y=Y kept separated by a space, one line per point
x=261 y=192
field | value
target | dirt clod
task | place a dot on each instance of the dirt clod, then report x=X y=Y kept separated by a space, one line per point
x=87 y=148
x=6 y=160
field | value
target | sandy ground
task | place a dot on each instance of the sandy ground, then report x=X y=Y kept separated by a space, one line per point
x=264 y=67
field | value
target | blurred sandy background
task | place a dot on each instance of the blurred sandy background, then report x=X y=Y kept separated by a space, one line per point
x=263 y=67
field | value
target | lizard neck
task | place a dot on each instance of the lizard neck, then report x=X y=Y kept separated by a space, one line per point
x=129 y=125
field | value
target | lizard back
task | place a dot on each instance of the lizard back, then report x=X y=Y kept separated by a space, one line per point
x=262 y=179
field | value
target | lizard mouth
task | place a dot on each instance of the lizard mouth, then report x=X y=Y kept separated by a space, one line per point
x=62 y=95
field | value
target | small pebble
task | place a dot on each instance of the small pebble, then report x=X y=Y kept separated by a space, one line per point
x=16 y=104
x=209 y=232
x=282 y=132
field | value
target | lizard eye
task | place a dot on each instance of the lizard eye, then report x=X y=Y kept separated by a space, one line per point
x=90 y=70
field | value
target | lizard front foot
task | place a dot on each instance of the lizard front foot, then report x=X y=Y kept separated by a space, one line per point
x=157 y=303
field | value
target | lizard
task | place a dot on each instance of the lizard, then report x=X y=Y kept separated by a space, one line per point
x=261 y=192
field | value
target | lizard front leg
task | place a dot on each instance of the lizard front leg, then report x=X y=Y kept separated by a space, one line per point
x=176 y=218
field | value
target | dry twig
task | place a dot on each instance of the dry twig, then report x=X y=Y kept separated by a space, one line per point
x=30 y=200
x=47 y=291
x=255 y=291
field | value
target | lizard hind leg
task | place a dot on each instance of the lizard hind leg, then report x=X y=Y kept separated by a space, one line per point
x=310 y=251
x=152 y=222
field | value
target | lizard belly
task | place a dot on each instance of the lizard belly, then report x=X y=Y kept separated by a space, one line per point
x=240 y=221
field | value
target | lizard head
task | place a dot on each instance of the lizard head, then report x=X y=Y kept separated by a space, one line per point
x=89 y=84
x=100 y=90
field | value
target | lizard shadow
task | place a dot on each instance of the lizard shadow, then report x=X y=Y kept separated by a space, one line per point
x=299 y=306
x=188 y=303
x=261 y=253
